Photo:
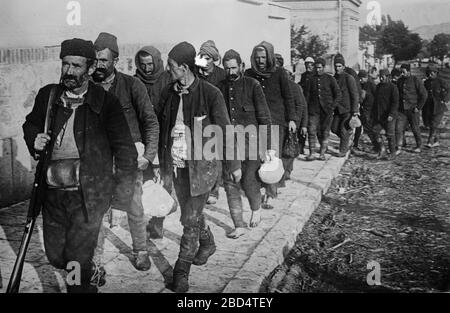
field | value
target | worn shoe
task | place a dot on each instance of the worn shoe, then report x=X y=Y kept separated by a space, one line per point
x=310 y=157
x=180 y=282
x=206 y=248
x=322 y=157
x=417 y=150
x=142 y=261
x=237 y=232
x=341 y=154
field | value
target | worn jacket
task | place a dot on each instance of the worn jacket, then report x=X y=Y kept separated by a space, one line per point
x=366 y=108
x=300 y=104
x=101 y=134
x=350 y=95
x=216 y=76
x=278 y=96
x=306 y=76
x=154 y=89
x=386 y=102
x=139 y=112
x=202 y=106
x=438 y=94
x=246 y=105
x=322 y=92
x=412 y=93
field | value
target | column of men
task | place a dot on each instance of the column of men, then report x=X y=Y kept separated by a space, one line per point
x=111 y=132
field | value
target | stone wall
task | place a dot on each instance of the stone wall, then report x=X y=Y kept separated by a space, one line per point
x=29 y=52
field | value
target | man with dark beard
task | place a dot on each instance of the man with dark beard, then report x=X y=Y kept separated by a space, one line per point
x=276 y=87
x=89 y=130
x=144 y=128
x=150 y=71
x=247 y=107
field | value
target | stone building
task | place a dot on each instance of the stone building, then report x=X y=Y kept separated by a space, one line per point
x=336 y=21
x=31 y=31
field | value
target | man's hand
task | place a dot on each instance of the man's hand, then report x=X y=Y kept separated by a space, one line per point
x=41 y=141
x=303 y=131
x=237 y=175
x=292 y=126
x=142 y=163
x=416 y=110
x=390 y=118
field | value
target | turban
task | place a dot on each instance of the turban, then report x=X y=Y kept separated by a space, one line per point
x=230 y=55
x=183 y=53
x=106 y=40
x=209 y=48
x=77 y=47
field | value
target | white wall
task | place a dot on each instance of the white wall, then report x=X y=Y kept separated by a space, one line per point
x=238 y=24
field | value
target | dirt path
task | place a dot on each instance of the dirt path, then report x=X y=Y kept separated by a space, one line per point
x=395 y=213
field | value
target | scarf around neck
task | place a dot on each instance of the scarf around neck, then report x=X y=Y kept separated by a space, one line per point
x=158 y=66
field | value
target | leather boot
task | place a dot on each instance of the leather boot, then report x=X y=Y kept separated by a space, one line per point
x=181 y=271
x=207 y=247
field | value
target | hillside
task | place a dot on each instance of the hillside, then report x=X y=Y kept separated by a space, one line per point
x=428 y=31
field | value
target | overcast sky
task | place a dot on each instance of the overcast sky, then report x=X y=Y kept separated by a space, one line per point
x=413 y=12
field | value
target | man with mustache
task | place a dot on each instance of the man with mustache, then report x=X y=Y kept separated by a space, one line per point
x=347 y=107
x=322 y=95
x=88 y=130
x=275 y=84
x=246 y=106
x=144 y=128
x=151 y=72
x=385 y=112
x=412 y=99
x=212 y=74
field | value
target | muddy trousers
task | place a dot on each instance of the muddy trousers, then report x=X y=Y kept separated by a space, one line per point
x=215 y=189
x=433 y=121
x=69 y=237
x=251 y=185
x=192 y=217
x=367 y=127
x=136 y=221
x=405 y=118
x=389 y=128
x=340 y=127
x=319 y=124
